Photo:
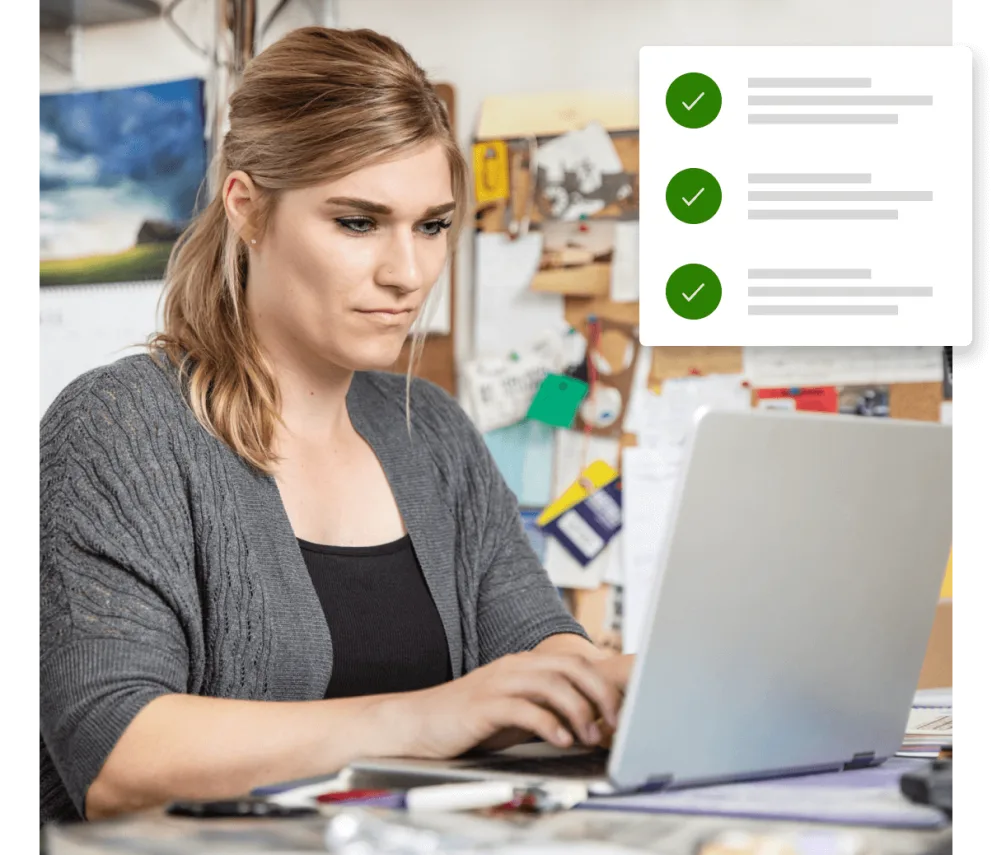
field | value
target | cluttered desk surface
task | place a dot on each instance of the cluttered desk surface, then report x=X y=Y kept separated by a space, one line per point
x=858 y=812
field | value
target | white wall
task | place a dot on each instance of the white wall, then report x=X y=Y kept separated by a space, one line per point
x=484 y=48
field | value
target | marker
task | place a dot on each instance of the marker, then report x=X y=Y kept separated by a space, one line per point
x=468 y=796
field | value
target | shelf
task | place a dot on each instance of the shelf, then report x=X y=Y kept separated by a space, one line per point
x=62 y=14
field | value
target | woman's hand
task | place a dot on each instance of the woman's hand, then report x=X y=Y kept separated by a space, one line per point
x=615 y=669
x=559 y=698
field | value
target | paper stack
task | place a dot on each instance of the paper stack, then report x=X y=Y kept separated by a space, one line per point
x=927 y=731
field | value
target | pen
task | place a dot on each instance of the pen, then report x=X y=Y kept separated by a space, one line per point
x=373 y=798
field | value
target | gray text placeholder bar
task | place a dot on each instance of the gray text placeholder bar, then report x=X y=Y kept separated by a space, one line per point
x=822 y=215
x=809 y=273
x=840 y=196
x=839 y=291
x=809 y=178
x=809 y=82
x=823 y=310
x=839 y=100
x=822 y=119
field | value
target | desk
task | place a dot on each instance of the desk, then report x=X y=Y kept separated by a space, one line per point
x=154 y=833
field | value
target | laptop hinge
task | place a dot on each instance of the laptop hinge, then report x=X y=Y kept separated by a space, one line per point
x=860 y=760
x=655 y=783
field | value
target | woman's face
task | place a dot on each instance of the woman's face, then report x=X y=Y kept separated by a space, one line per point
x=344 y=267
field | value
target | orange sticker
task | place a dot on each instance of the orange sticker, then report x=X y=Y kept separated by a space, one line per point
x=492 y=171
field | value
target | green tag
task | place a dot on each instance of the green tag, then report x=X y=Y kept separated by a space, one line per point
x=557 y=400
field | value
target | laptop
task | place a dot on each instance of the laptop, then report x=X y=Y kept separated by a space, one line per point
x=789 y=615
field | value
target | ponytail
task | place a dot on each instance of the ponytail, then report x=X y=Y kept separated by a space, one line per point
x=208 y=338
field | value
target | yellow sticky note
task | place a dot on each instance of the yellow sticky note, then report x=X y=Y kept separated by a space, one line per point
x=945 y=590
x=596 y=475
x=492 y=171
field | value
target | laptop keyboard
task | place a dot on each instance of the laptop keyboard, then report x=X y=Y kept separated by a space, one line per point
x=588 y=765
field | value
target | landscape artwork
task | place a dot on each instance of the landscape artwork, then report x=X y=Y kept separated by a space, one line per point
x=121 y=170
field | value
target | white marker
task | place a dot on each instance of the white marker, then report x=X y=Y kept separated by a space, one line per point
x=451 y=797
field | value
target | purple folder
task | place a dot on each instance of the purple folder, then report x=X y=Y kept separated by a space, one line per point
x=857 y=797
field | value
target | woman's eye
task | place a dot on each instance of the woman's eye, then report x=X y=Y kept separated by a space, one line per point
x=435 y=227
x=358 y=225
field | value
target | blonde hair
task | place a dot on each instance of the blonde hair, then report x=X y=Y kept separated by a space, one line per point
x=315 y=106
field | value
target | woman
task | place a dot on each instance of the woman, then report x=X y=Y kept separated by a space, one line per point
x=261 y=556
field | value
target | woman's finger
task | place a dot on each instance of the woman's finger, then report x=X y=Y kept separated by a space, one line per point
x=509 y=712
x=601 y=692
x=553 y=690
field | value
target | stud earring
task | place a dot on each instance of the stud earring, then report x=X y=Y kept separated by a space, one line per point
x=253 y=241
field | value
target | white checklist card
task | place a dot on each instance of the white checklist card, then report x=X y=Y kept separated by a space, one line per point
x=846 y=183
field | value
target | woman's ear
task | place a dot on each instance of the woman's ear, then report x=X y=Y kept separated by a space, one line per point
x=240 y=197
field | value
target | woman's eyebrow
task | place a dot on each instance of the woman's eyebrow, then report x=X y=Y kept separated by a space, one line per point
x=370 y=207
x=437 y=210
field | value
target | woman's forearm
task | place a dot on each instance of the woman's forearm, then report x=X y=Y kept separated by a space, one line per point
x=184 y=746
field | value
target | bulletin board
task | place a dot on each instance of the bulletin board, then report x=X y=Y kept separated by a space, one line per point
x=592 y=608
x=516 y=211
x=437 y=359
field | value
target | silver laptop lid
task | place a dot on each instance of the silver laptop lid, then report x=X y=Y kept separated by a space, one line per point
x=794 y=600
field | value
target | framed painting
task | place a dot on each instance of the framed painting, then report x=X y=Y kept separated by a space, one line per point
x=121 y=171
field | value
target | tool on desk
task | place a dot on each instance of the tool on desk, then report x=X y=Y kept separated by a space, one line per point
x=476 y=795
x=251 y=807
x=463 y=796
x=545 y=798
x=931 y=785
x=367 y=798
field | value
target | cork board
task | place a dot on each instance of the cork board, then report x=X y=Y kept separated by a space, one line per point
x=495 y=216
x=437 y=359
x=915 y=401
x=669 y=362
x=918 y=401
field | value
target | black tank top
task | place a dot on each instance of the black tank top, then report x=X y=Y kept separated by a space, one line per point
x=386 y=632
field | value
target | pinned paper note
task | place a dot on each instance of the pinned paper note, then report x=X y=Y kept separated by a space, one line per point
x=667 y=418
x=650 y=482
x=524 y=455
x=634 y=414
x=593 y=477
x=509 y=316
x=825 y=366
x=557 y=400
x=815 y=399
x=579 y=173
x=575 y=451
x=624 y=283
x=590 y=524
x=492 y=171
x=565 y=572
x=499 y=390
